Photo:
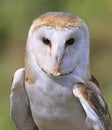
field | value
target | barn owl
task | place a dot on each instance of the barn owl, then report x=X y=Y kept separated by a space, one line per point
x=55 y=90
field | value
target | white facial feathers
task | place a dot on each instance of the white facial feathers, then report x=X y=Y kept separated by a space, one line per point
x=60 y=48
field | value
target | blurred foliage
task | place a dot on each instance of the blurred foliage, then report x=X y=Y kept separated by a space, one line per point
x=15 y=19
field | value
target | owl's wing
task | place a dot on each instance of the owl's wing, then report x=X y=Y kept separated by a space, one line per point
x=19 y=105
x=93 y=103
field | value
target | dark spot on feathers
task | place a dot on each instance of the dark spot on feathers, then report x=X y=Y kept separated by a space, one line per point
x=93 y=79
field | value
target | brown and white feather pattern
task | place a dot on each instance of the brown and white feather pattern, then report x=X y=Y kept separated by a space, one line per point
x=90 y=96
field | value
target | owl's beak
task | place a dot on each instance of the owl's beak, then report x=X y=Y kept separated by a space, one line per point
x=57 y=55
x=57 y=65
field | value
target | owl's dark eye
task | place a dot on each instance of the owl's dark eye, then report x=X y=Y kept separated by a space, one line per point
x=70 y=42
x=46 y=41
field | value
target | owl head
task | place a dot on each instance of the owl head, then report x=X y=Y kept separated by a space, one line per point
x=58 y=44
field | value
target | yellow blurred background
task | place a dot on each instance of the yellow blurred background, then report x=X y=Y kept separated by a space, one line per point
x=15 y=19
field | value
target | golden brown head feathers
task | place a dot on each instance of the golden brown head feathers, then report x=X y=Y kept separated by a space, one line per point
x=57 y=19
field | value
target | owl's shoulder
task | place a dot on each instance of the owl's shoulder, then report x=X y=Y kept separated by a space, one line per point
x=91 y=99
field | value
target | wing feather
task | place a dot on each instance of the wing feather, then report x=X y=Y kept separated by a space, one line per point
x=96 y=109
x=19 y=105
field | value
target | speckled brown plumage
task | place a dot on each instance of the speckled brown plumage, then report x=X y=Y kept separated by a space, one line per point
x=91 y=92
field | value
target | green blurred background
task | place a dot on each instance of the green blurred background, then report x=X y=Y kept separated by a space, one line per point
x=15 y=19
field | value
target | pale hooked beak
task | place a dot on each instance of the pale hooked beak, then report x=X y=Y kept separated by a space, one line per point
x=57 y=55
